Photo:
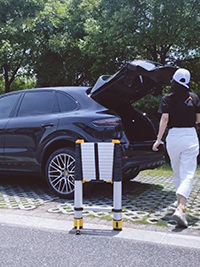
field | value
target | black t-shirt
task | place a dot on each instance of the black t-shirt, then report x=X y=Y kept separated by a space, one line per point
x=182 y=111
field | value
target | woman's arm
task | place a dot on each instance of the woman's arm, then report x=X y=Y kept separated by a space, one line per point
x=162 y=126
x=198 y=118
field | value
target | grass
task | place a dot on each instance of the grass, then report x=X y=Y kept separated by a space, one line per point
x=161 y=224
x=142 y=221
x=164 y=170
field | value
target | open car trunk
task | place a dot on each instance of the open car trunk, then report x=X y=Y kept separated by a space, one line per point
x=135 y=80
x=137 y=126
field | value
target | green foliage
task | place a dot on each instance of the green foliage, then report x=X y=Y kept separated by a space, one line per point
x=2 y=86
x=17 y=37
x=72 y=42
x=165 y=170
x=149 y=105
x=50 y=70
x=20 y=83
x=193 y=65
x=167 y=28
x=60 y=28
x=23 y=82
x=151 y=29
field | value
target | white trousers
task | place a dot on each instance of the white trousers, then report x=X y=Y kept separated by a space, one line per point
x=183 y=149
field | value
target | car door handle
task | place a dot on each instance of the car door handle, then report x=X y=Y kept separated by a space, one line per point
x=47 y=125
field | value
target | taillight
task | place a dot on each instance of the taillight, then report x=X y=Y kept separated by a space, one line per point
x=107 y=122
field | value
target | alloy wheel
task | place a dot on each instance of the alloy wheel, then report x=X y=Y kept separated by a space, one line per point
x=61 y=172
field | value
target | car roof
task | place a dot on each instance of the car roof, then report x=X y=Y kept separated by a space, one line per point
x=68 y=89
x=79 y=93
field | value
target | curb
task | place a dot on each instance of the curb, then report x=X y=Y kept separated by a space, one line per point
x=66 y=226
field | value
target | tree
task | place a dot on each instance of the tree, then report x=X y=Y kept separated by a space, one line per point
x=166 y=29
x=60 y=28
x=107 y=30
x=86 y=38
x=67 y=42
x=17 y=37
x=158 y=30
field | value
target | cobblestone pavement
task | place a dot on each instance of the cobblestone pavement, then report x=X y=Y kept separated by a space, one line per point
x=146 y=200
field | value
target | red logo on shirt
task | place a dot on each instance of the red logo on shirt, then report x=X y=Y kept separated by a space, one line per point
x=189 y=101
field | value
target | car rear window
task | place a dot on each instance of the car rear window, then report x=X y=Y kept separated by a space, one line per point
x=36 y=103
x=66 y=103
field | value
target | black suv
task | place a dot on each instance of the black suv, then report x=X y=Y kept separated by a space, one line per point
x=39 y=127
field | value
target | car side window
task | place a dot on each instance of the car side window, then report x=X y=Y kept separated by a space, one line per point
x=7 y=104
x=66 y=103
x=37 y=103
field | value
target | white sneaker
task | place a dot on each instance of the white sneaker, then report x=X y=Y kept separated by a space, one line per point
x=180 y=217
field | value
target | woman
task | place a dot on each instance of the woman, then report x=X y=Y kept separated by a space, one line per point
x=180 y=111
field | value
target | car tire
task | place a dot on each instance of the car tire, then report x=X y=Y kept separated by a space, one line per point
x=60 y=173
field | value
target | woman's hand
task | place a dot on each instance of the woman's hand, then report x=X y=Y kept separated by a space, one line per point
x=162 y=126
x=156 y=145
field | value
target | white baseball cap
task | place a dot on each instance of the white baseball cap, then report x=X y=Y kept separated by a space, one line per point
x=182 y=76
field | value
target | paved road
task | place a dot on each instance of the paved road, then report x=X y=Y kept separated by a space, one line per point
x=26 y=246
